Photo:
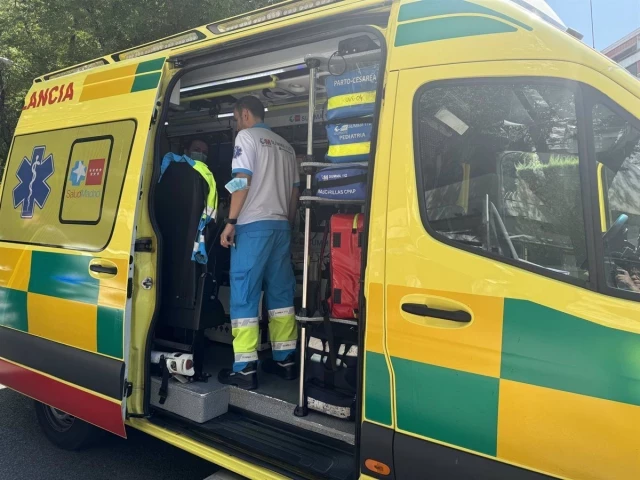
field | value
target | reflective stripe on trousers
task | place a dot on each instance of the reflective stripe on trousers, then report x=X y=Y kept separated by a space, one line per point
x=245 y=341
x=283 y=332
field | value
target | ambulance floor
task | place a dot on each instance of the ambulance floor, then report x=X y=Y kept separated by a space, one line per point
x=219 y=356
x=275 y=398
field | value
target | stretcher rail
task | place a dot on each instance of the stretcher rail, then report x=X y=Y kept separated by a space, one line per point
x=315 y=165
x=308 y=199
x=332 y=320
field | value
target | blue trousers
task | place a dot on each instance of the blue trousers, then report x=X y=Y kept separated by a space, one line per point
x=261 y=260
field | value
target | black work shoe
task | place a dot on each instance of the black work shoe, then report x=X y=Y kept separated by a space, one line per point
x=287 y=369
x=247 y=378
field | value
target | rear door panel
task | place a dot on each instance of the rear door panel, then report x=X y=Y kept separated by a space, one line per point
x=67 y=216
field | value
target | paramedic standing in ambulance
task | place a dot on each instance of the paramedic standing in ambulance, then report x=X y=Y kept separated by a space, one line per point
x=258 y=232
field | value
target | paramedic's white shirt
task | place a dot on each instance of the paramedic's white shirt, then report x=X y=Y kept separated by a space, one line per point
x=271 y=162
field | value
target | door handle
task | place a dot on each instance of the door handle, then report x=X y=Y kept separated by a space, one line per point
x=422 y=310
x=109 y=270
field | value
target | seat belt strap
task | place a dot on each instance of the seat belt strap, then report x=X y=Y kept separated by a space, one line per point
x=164 y=386
x=199 y=253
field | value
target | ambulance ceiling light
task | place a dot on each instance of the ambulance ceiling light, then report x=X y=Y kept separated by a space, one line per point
x=242 y=78
x=268 y=14
x=230 y=114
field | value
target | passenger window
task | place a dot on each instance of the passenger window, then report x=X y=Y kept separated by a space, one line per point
x=499 y=174
x=617 y=145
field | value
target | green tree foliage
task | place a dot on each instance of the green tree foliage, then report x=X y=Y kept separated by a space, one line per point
x=41 y=36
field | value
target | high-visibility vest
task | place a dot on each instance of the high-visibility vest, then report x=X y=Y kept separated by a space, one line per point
x=199 y=253
x=352 y=94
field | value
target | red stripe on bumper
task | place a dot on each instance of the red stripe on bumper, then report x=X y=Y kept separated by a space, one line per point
x=90 y=408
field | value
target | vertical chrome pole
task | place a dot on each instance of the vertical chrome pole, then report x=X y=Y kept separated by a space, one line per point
x=301 y=408
x=307 y=216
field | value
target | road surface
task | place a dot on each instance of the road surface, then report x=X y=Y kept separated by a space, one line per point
x=25 y=453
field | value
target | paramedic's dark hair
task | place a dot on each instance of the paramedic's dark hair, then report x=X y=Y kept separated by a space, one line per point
x=252 y=104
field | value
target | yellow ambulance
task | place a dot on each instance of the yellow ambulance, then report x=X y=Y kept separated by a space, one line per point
x=498 y=333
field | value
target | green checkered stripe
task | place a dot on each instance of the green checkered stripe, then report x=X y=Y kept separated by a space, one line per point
x=540 y=346
x=67 y=277
x=433 y=20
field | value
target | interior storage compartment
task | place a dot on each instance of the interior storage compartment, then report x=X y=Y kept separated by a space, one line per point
x=193 y=314
x=332 y=370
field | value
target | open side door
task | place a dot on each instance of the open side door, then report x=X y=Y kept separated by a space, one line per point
x=67 y=231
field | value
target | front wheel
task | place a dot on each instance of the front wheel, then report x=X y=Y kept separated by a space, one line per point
x=63 y=430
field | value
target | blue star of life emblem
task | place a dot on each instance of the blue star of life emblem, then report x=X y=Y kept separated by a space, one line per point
x=33 y=188
x=237 y=151
x=78 y=173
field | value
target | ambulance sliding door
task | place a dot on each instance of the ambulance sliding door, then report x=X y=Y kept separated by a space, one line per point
x=67 y=217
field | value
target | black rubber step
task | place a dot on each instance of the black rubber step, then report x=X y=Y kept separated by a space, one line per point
x=296 y=452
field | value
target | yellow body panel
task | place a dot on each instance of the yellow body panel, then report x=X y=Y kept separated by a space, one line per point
x=574 y=436
x=111 y=293
x=143 y=304
x=531 y=39
x=79 y=330
x=374 y=276
x=14 y=269
x=109 y=89
x=601 y=199
x=377 y=390
x=111 y=74
x=375 y=331
x=474 y=347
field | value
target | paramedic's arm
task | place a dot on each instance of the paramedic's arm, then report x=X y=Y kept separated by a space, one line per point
x=293 y=204
x=238 y=197
x=227 y=238
x=244 y=156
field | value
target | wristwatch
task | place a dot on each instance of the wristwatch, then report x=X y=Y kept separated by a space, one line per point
x=230 y=221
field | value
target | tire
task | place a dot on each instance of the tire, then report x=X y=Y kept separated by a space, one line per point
x=63 y=430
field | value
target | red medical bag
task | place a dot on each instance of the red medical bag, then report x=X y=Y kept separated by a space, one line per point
x=346 y=246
